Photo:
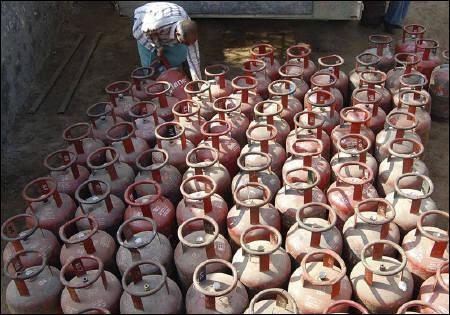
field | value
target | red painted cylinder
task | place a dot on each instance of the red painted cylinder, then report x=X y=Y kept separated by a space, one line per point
x=187 y=114
x=257 y=69
x=102 y=116
x=411 y=32
x=177 y=80
x=272 y=301
x=439 y=90
x=338 y=306
x=370 y=99
x=301 y=54
x=141 y=78
x=381 y=45
x=145 y=119
x=364 y=61
x=200 y=92
x=413 y=81
x=245 y=91
x=80 y=141
x=434 y=290
x=406 y=63
x=220 y=86
x=266 y=52
x=121 y=97
x=375 y=79
x=333 y=64
x=426 y=49
x=283 y=91
x=420 y=306
x=159 y=92
x=323 y=103
x=293 y=72
x=325 y=80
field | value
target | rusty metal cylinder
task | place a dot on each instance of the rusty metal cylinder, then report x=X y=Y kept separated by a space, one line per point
x=256 y=68
x=413 y=81
x=370 y=99
x=410 y=33
x=427 y=50
x=282 y=91
x=145 y=119
x=245 y=91
x=420 y=306
x=322 y=102
x=187 y=114
x=381 y=45
x=434 y=290
x=79 y=138
x=333 y=64
x=102 y=116
x=220 y=86
x=325 y=80
x=293 y=72
x=300 y=54
x=346 y=304
x=199 y=91
x=121 y=97
x=272 y=301
x=439 y=83
x=364 y=61
x=266 y=52
x=141 y=77
x=177 y=79
x=406 y=63
x=159 y=92
x=376 y=80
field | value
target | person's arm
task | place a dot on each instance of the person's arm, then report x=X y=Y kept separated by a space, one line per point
x=193 y=59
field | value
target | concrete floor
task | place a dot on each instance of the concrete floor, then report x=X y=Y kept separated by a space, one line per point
x=34 y=136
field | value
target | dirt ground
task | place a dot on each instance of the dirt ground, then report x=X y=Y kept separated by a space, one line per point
x=221 y=40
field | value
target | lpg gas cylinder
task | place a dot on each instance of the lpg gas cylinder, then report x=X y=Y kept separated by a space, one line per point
x=64 y=169
x=439 y=90
x=346 y=304
x=94 y=198
x=293 y=72
x=256 y=68
x=251 y=210
x=326 y=81
x=177 y=80
x=270 y=268
x=94 y=310
x=143 y=245
x=199 y=91
x=220 y=86
x=300 y=54
x=149 y=204
x=411 y=32
x=245 y=91
x=117 y=174
x=323 y=103
x=370 y=99
x=121 y=97
x=187 y=113
x=230 y=109
x=426 y=247
x=21 y=233
x=364 y=61
x=198 y=246
x=174 y=142
x=410 y=203
x=381 y=45
x=145 y=119
x=102 y=116
x=382 y=283
x=167 y=176
x=434 y=290
x=406 y=63
x=51 y=208
x=420 y=306
x=315 y=285
x=216 y=293
x=266 y=52
x=149 y=293
x=312 y=231
x=427 y=50
x=365 y=227
x=33 y=289
x=375 y=79
x=141 y=78
x=272 y=301
x=300 y=188
x=350 y=188
x=159 y=92
x=90 y=241
x=333 y=64
x=80 y=141
x=86 y=289
x=413 y=81
x=400 y=163
x=282 y=91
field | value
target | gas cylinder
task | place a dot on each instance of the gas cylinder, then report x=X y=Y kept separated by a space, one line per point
x=251 y=211
x=216 y=135
x=121 y=97
x=300 y=54
x=333 y=64
x=177 y=80
x=326 y=81
x=94 y=198
x=293 y=72
x=230 y=109
x=187 y=114
x=257 y=69
x=382 y=283
x=167 y=176
x=439 y=90
x=261 y=139
x=51 y=208
x=80 y=141
x=64 y=169
x=398 y=125
x=216 y=293
x=199 y=91
x=421 y=306
x=434 y=290
x=413 y=81
x=94 y=310
x=272 y=301
x=317 y=284
x=143 y=245
x=270 y=268
x=426 y=247
x=346 y=304
x=309 y=124
x=381 y=45
x=141 y=78
x=365 y=227
x=307 y=152
x=370 y=100
x=300 y=188
x=348 y=190
x=151 y=204
x=354 y=120
x=400 y=163
x=174 y=142
x=159 y=92
x=102 y=116
x=266 y=52
x=323 y=103
x=353 y=147
x=283 y=91
x=364 y=61
x=255 y=174
x=411 y=32
x=117 y=174
x=426 y=49
x=204 y=160
x=375 y=79
x=200 y=199
x=245 y=91
x=198 y=246
x=311 y=231
x=406 y=63
x=21 y=233
x=220 y=86
x=270 y=112
x=90 y=241
x=410 y=203
x=33 y=289
x=85 y=289
x=145 y=119
x=149 y=293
